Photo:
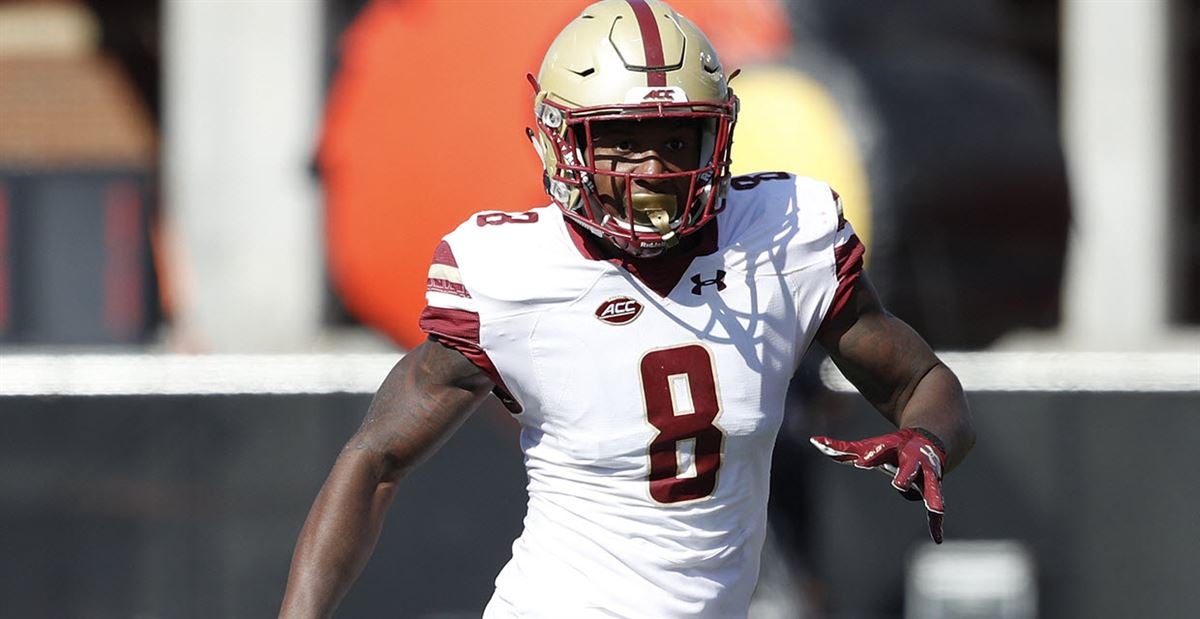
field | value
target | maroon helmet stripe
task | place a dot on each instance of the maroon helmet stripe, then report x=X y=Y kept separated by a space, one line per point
x=651 y=41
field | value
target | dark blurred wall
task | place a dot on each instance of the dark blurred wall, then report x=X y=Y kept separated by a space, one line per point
x=190 y=506
x=970 y=200
x=1099 y=486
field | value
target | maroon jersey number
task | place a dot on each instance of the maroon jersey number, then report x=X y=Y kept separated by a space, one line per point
x=681 y=402
x=750 y=181
x=495 y=219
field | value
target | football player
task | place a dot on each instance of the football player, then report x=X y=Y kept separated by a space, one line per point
x=642 y=329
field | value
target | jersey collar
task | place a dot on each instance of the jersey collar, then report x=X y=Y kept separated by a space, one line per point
x=660 y=273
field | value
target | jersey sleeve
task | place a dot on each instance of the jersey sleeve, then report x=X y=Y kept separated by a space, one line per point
x=848 y=253
x=451 y=317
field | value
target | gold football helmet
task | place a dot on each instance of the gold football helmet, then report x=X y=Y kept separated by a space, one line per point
x=632 y=60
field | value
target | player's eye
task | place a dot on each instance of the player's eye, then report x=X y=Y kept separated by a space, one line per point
x=615 y=144
x=676 y=144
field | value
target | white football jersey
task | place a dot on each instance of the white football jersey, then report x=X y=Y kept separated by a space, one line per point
x=649 y=392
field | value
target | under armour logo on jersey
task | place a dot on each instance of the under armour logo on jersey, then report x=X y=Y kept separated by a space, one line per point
x=719 y=280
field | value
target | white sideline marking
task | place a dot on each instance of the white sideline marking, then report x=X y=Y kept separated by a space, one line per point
x=167 y=374
x=1058 y=372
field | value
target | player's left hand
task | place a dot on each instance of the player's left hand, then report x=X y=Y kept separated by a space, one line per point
x=912 y=457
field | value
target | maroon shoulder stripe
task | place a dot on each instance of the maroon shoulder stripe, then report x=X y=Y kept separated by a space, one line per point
x=459 y=330
x=445 y=286
x=849 y=265
x=841 y=215
x=651 y=41
x=443 y=255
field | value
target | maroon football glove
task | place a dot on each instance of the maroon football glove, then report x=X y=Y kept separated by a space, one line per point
x=912 y=457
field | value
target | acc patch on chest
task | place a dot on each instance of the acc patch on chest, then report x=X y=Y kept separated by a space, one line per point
x=619 y=310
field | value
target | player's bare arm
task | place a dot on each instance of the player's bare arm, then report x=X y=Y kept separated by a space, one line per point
x=428 y=394
x=895 y=370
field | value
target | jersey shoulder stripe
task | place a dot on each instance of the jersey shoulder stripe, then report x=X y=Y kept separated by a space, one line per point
x=510 y=262
x=459 y=330
x=444 y=276
x=848 y=259
x=779 y=222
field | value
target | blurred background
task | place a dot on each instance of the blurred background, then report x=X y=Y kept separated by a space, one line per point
x=216 y=218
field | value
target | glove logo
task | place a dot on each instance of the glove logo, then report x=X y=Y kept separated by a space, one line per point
x=934 y=459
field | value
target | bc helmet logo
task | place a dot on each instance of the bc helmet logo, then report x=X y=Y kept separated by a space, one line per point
x=619 y=311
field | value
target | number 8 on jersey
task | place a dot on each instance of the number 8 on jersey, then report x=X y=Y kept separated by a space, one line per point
x=680 y=391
